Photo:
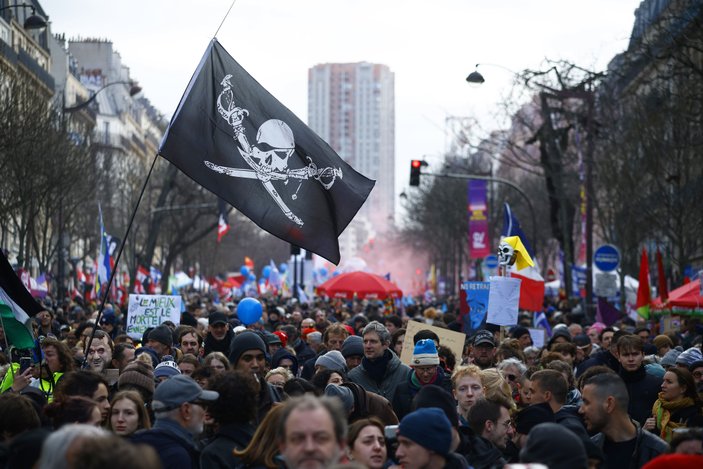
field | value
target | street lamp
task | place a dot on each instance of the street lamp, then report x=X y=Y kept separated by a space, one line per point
x=61 y=271
x=475 y=77
x=133 y=90
x=33 y=21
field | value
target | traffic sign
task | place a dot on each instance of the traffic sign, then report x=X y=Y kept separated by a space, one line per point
x=606 y=285
x=491 y=261
x=606 y=258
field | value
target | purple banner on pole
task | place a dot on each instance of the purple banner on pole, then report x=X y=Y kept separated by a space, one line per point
x=479 y=242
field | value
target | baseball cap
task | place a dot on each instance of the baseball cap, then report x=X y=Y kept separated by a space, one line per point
x=217 y=318
x=178 y=390
x=484 y=337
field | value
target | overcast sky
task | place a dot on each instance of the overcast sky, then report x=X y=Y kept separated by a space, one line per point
x=430 y=46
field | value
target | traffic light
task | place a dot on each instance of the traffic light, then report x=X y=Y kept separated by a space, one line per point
x=415 y=166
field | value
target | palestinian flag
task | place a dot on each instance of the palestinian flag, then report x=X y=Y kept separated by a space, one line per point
x=17 y=307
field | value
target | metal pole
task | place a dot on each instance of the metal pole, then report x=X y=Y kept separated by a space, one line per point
x=61 y=271
x=589 y=312
x=502 y=181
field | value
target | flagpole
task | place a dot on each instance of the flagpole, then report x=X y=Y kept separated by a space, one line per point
x=223 y=19
x=117 y=262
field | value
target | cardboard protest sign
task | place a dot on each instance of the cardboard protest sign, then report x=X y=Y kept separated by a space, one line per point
x=448 y=338
x=145 y=311
x=669 y=324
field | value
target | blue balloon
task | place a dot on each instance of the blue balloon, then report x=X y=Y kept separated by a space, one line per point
x=244 y=270
x=252 y=277
x=335 y=273
x=323 y=272
x=249 y=310
x=283 y=268
x=266 y=271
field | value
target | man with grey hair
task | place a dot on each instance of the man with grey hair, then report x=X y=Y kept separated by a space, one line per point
x=623 y=442
x=381 y=371
x=179 y=404
x=312 y=432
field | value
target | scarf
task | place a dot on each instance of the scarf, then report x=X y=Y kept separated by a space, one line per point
x=662 y=410
x=377 y=368
x=415 y=383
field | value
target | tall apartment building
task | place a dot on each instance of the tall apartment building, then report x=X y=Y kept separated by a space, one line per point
x=352 y=107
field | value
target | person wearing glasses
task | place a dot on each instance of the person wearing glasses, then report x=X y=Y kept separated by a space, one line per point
x=179 y=405
x=512 y=369
x=696 y=369
x=492 y=429
x=425 y=370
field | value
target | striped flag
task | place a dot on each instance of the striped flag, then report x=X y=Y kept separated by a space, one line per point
x=104 y=267
x=223 y=222
x=17 y=307
x=540 y=321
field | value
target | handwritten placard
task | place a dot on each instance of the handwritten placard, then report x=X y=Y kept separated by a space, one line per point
x=503 y=301
x=145 y=311
x=452 y=339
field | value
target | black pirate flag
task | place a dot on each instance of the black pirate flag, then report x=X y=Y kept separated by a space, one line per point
x=235 y=139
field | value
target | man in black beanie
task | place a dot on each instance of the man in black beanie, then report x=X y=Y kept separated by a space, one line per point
x=160 y=341
x=554 y=446
x=530 y=417
x=247 y=354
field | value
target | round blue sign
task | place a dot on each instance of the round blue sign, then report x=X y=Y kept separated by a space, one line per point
x=491 y=261
x=606 y=258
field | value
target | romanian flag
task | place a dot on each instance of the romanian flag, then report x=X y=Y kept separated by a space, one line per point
x=644 y=293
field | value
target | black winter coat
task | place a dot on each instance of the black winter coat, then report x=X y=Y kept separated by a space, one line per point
x=643 y=390
x=218 y=452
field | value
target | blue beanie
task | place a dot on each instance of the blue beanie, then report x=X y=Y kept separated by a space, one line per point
x=429 y=427
x=425 y=353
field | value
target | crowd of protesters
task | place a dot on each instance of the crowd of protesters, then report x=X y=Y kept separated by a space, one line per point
x=323 y=385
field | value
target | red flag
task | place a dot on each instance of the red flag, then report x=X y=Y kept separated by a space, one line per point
x=644 y=293
x=663 y=289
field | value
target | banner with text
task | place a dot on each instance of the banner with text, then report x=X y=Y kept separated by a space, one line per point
x=474 y=305
x=479 y=244
x=147 y=311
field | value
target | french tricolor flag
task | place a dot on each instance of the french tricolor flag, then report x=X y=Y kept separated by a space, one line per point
x=532 y=282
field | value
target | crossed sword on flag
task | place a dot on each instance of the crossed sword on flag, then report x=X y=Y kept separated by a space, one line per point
x=234 y=115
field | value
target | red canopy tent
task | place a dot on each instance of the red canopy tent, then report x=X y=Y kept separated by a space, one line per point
x=685 y=298
x=361 y=285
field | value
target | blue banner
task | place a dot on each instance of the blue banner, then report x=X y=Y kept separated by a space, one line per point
x=475 y=306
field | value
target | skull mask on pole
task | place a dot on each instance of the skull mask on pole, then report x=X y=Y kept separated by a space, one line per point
x=506 y=254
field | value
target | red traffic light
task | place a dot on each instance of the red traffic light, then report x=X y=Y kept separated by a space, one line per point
x=416 y=163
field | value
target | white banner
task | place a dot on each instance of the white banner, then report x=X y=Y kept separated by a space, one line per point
x=147 y=311
x=503 y=301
